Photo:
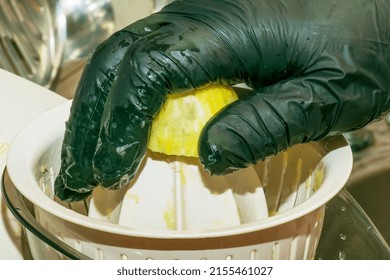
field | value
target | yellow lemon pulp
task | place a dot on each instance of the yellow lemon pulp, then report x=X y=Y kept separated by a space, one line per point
x=176 y=129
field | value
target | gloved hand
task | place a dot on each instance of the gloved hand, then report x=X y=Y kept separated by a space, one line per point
x=317 y=67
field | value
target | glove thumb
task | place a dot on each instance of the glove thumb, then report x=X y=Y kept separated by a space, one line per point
x=279 y=116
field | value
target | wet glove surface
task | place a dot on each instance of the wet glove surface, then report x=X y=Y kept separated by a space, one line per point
x=317 y=67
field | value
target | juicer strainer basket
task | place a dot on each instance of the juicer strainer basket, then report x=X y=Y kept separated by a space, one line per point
x=297 y=185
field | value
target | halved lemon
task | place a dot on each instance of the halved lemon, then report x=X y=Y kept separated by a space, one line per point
x=176 y=129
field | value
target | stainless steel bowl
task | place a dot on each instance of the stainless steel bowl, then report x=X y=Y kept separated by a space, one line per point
x=32 y=37
x=38 y=36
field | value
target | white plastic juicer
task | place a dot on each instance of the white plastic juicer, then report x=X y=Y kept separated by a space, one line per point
x=174 y=210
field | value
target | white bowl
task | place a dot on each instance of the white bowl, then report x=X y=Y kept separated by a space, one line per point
x=318 y=170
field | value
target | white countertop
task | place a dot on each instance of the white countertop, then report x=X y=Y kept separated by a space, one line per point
x=20 y=102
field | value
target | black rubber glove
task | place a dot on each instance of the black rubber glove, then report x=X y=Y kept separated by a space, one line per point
x=317 y=67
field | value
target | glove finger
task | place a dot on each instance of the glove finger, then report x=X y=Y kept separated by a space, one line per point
x=76 y=180
x=288 y=113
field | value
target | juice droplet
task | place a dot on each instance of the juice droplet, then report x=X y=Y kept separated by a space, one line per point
x=342 y=255
x=343 y=236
